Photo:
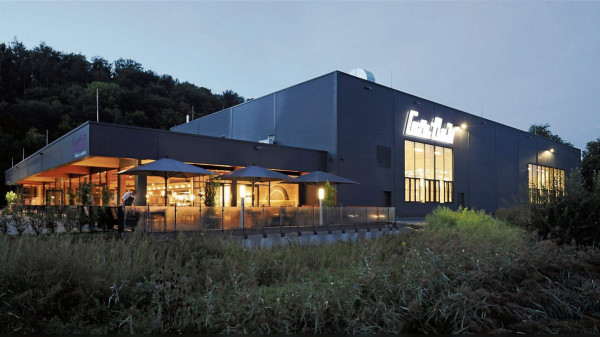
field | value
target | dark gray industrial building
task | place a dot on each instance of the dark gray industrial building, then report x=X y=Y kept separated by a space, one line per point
x=405 y=151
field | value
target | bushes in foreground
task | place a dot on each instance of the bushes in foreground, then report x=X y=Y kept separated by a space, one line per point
x=572 y=218
x=452 y=277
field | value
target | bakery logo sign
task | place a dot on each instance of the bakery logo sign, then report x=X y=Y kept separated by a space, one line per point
x=79 y=145
x=434 y=130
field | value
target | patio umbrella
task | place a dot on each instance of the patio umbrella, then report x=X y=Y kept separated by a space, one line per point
x=317 y=177
x=167 y=168
x=255 y=174
x=320 y=177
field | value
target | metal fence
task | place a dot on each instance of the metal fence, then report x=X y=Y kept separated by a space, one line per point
x=169 y=218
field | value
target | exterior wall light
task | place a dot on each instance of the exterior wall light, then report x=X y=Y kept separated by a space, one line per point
x=463 y=126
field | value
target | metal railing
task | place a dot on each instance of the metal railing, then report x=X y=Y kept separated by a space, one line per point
x=173 y=219
x=263 y=218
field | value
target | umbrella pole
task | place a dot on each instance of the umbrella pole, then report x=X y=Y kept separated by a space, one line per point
x=166 y=188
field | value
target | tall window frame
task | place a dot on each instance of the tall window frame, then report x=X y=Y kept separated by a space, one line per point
x=545 y=182
x=428 y=173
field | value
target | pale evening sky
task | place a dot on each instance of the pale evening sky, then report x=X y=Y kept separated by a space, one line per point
x=517 y=63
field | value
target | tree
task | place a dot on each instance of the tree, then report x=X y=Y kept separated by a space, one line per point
x=100 y=70
x=230 y=98
x=590 y=165
x=544 y=131
x=43 y=89
x=329 y=200
x=210 y=192
x=33 y=140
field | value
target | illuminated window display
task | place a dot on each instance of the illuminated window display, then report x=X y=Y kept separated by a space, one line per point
x=545 y=182
x=428 y=173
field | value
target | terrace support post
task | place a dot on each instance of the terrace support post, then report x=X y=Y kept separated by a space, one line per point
x=175 y=222
x=222 y=218
x=234 y=193
x=141 y=185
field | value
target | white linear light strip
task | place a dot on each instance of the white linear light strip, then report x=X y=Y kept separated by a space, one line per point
x=425 y=130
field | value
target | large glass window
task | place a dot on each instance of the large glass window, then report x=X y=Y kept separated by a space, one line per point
x=428 y=173
x=545 y=182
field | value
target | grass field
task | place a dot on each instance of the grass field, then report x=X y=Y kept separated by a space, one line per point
x=463 y=273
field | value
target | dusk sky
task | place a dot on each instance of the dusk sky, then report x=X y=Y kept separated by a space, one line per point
x=517 y=63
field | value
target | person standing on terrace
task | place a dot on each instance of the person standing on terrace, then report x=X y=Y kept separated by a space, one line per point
x=128 y=198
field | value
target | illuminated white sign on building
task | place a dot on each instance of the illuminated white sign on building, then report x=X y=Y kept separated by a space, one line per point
x=434 y=130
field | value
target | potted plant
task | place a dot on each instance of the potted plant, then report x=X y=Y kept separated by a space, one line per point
x=11 y=198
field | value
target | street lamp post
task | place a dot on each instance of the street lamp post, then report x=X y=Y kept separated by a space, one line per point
x=242 y=197
x=321 y=196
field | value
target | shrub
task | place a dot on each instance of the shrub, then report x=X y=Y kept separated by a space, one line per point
x=20 y=221
x=50 y=219
x=393 y=284
x=476 y=227
x=71 y=196
x=105 y=218
x=329 y=200
x=37 y=221
x=4 y=221
x=11 y=197
x=70 y=220
x=518 y=215
x=210 y=192
x=571 y=218
x=84 y=193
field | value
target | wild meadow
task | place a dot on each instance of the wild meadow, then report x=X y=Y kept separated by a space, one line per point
x=464 y=272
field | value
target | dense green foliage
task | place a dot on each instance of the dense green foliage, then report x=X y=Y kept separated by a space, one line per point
x=590 y=165
x=452 y=276
x=572 y=218
x=11 y=197
x=329 y=200
x=544 y=131
x=42 y=89
x=211 y=189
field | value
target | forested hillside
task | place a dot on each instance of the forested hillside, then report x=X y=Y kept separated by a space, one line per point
x=45 y=89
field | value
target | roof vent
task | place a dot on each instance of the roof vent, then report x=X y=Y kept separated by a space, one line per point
x=362 y=73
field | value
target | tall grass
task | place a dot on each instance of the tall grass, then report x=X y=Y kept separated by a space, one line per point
x=453 y=277
x=472 y=228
